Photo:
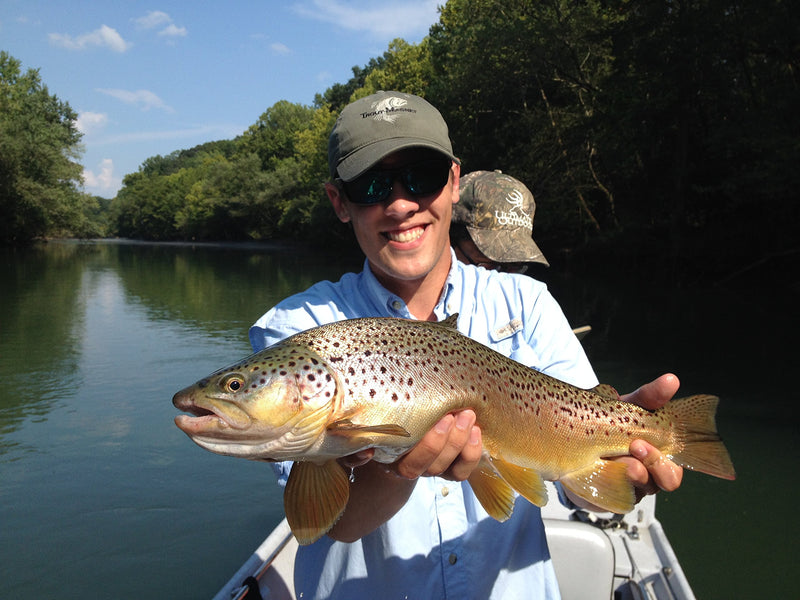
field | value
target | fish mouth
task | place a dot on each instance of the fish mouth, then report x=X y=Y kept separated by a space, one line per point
x=207 y=416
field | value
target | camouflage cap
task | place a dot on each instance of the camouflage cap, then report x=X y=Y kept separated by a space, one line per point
x=371 y=128
x=497 y=211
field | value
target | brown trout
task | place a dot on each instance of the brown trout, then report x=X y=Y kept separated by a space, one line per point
x=382 y=383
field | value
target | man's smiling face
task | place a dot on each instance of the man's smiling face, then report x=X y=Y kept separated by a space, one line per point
x=405 y=237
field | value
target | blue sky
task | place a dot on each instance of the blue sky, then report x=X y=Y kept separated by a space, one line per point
x=151 y=78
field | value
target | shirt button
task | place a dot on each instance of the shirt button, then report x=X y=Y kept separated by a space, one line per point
x=445 y=491
x=397 y=305
x=452 y=558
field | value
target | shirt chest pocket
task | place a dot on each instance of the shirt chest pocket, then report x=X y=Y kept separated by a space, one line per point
x=508 y=339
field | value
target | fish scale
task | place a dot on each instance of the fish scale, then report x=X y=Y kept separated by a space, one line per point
x=382 y=383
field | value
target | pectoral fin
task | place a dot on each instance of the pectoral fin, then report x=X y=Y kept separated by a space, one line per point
x=315 y=498
x=348 y=428
x=604 y=484
x=527 y=482
x=494 y=494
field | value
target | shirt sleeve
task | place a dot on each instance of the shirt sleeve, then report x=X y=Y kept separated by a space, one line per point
x=322 y=303
x=559 y=353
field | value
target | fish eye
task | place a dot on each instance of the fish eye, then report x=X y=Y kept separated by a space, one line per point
x=232 y=383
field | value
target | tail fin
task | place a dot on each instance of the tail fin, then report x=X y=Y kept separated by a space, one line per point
x=702 y=449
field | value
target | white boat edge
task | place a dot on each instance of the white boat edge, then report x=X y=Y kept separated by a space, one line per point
x=600 y=556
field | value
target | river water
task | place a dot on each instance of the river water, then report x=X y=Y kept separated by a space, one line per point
x=103 y=497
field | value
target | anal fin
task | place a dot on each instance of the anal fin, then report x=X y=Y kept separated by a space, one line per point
x=315 y=498
x=605 y=484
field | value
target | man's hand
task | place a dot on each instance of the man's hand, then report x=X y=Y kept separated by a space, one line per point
x=649 y=470
x=451 y=449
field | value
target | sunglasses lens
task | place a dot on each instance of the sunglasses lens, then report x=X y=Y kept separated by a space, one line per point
x=420 y=179
x=370 y=188
x=426 y=178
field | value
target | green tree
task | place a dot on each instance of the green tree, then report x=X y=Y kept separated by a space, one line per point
x=405 y=67
x=518 y=83
x=39 y=147
x=273 y=136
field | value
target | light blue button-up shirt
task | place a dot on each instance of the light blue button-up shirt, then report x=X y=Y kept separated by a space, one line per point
x=441 y=544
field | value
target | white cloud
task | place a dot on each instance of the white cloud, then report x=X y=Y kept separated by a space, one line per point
x=157 y=18
x=104 y=36
x=279 y=48
x=173 y=31
x=144 y=99
x=103 y=181
x=201 y=132
x=90 y=122
x=412 y=18
x=153 y=19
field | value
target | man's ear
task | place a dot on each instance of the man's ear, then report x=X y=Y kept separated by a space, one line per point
x=337 y=200
x=456 y=171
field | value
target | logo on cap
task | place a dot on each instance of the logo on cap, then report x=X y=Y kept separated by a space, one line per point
x=515 y=199
x=387 y=109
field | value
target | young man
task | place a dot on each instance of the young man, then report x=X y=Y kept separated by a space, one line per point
x=414 y=529
x=492 y=224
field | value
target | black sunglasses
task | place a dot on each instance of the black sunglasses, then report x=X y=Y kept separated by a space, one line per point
x=420 y=179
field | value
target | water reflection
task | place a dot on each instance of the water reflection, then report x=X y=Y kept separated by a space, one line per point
x=42 y=318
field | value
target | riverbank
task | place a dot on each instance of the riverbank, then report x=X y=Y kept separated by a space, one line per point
x=642 y=259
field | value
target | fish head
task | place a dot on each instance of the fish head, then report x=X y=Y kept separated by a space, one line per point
x=273 y=405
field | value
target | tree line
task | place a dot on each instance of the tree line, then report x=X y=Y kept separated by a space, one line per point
x=672 y=123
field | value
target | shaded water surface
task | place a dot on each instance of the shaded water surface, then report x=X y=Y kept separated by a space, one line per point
x=103 y=497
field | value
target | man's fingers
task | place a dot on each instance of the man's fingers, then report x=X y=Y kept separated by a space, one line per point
x=655 y=394
x=457 y=439
x=358 y=459
x=451 y=447
x=469 y=457
x=658 y=470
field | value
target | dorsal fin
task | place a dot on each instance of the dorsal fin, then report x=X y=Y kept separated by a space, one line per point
x=606 y=391
x=451 y=321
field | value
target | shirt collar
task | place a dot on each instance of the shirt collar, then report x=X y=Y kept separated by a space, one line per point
x=385 y=303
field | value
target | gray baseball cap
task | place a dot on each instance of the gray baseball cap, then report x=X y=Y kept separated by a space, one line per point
x=497 y=211
x=373 y=127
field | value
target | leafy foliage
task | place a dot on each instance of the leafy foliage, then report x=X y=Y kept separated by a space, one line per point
x=39 y=147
